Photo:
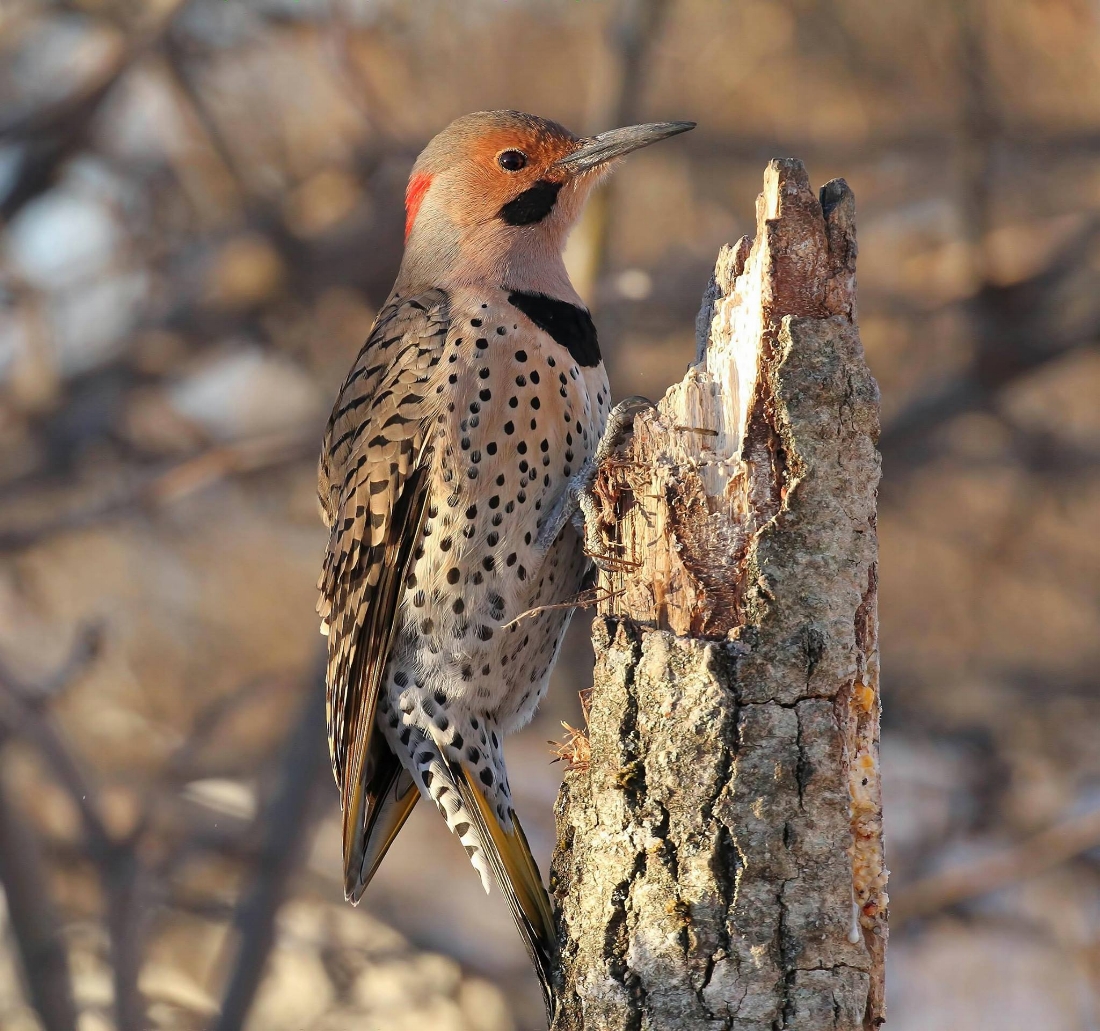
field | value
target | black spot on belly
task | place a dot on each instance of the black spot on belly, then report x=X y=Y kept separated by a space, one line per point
x=570 y=325
x=533 y=205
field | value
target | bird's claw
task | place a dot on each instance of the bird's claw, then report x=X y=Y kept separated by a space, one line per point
x=620 y=425
x=579 y=503
x=586 y=515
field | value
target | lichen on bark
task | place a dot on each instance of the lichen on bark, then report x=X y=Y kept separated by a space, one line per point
x=719 y=862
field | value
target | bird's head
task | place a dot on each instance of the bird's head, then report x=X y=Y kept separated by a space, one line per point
x=494 y=195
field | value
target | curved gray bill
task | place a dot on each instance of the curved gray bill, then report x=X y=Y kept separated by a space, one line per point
x=606 y=146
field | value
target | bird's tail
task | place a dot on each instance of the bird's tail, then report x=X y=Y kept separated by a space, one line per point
x=377 y=809
x=513 y=866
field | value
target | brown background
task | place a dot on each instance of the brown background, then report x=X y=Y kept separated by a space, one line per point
x=201 y=211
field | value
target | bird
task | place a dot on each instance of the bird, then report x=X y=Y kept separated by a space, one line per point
x=452 y=466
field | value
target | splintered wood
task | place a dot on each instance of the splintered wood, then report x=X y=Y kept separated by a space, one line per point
x=709 y=468
x=720 y=857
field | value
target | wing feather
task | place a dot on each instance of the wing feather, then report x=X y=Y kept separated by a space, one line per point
x=373 y=488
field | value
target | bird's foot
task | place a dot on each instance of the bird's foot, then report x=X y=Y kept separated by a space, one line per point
x=588 y=515
x=580 y=502
x=620 y=426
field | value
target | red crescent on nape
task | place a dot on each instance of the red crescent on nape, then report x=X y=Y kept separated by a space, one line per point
x=414 y=195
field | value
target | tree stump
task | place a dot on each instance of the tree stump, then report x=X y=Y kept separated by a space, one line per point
x=719 y=860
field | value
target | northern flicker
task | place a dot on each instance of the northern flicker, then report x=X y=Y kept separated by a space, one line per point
x=449 y=471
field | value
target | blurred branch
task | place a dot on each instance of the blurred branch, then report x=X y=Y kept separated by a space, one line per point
x=631 y=39
x=53 y=134
x=285 y=824
x=1051 y=457
x=978 y=134
x=180 y=763
x=1018 y=329
x=89 y=641
x=309 y=264
x=1044 y=851
x=35 y=924
x=189 y=95
x=283 y=829
x=1014 y=145
x=226 y=460
x=357 y=85
x=22 y=716
x=166 y=486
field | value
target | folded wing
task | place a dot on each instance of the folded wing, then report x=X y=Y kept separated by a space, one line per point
x=373 y=487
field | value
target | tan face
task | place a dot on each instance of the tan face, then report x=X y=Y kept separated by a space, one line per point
x=494 y=195
x=490 y=167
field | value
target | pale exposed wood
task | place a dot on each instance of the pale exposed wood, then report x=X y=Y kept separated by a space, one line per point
x=719 y=862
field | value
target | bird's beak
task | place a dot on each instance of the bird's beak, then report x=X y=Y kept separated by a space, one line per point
x=598 y=150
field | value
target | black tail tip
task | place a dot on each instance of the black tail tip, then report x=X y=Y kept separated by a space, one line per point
x=354 y=886
x=552 y=1003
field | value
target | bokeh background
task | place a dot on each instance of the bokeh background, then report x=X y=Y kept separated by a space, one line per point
x=200 y=212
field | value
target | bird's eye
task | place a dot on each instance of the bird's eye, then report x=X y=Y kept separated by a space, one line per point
x=512 y=160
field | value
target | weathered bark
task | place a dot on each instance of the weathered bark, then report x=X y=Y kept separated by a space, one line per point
x=719 y=860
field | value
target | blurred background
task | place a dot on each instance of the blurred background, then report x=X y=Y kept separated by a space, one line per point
x=200 y=212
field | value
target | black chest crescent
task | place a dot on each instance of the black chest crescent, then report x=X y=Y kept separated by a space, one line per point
x=570 y=325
